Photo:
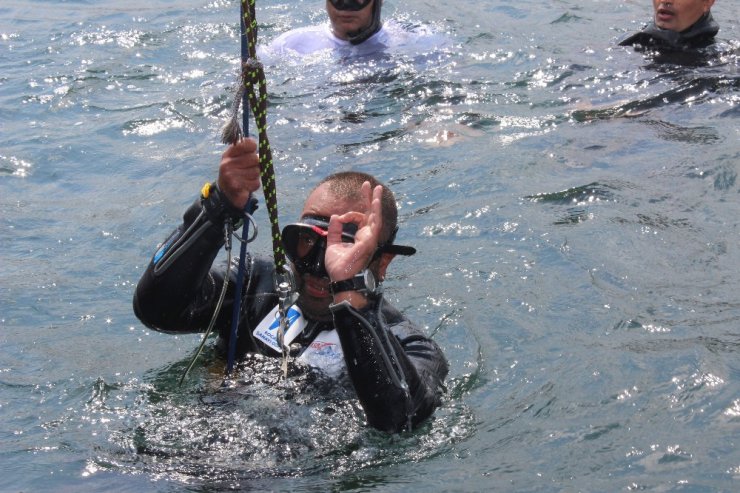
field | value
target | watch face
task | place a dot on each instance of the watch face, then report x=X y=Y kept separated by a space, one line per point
x=369 y=281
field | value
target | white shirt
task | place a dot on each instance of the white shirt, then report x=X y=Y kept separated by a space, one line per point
x=313 y=39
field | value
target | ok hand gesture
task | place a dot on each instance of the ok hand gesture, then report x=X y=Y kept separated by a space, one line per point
x=344 y=260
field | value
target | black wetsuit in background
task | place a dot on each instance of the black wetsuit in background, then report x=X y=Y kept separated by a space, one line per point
x=699 y=35
x=179 y=291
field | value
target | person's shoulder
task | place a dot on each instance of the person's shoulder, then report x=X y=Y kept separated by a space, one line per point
x=700 y=35
x=302 y=40
x=399 y=323
x=300 y=33
x=638 y=38
x=262 y=262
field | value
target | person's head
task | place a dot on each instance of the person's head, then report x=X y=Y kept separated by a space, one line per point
x=336 y=194
x=354 y=20
x=679 y=15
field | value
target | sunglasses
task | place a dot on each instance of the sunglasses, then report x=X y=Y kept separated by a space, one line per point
x=352 y=5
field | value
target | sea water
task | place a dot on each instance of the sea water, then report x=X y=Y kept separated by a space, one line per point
x=574 y=205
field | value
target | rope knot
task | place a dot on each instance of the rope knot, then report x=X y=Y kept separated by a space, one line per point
x=253 y=64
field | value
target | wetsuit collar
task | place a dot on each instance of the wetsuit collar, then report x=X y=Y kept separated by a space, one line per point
x=698 y=35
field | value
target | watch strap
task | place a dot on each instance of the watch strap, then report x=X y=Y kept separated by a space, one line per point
x=345 y=285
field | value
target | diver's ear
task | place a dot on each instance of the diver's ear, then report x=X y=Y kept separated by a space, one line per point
x=383 y=262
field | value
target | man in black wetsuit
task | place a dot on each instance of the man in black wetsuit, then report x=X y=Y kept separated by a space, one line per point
x=342 y=244
x=677 y=25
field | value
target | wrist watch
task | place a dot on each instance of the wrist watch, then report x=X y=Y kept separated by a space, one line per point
x=363 y=282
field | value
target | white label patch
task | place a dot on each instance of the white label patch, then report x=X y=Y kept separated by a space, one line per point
x=267 y=330
x=325 y=353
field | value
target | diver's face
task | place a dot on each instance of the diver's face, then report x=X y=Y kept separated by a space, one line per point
x=313 y=290
x=346 y=22
x=679 y=15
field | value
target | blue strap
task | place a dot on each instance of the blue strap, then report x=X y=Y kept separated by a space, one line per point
x=236 y=309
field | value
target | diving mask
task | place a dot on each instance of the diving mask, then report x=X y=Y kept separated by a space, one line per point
x=351 y=5
x=305 y=244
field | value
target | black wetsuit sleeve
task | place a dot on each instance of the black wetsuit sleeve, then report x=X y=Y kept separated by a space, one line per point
x=178 y=290
x=397 y=372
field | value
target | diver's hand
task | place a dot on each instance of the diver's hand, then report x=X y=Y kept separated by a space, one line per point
x=344 y=260
x=239 y=172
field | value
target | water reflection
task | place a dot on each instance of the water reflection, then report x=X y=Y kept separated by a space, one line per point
x=680 y=78
x=258 y=425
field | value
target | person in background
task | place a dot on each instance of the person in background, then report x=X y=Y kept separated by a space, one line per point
x=355 y=28
x=340 y=250
x=677 y=25
x=351 y=23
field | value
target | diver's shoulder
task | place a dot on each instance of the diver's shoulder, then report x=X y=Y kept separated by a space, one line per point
x=303 y=40
x=700 y=35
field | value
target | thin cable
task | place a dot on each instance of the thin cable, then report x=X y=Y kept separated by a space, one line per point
x=228 y=232
x=236 y=311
